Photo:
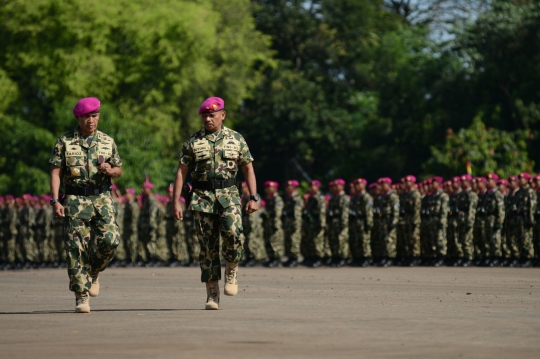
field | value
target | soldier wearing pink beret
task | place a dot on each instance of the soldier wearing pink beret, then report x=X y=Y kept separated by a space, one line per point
x=292 y=223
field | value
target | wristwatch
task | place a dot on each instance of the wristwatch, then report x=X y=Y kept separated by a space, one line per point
x=53 y=201
x=255 y=198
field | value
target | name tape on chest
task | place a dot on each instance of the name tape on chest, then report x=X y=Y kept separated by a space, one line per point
x=231 y=147
x=104 y=153
x=74 y=153
x=200 y=147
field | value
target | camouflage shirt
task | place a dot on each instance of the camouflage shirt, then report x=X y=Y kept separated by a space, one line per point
x=79 y=163
x=314 y=214
x=215 y=156
x=361 y=209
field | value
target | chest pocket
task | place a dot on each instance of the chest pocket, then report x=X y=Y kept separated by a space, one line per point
x=201 y=151
x=105 y=151
x=75 y=160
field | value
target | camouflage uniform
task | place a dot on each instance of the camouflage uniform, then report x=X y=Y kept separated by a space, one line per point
x=57 y=245
x=386 y=214
x=526 y=204
x=338 y=226
x=148 y=229
x=409 y=220
x=313 y=226
x=9 y=234
x=511 y=249
x=160 y=248
x=130 y=230
x=253 y=233
x=119 y=209
x=44 y=233
x=494 y=205
x=192 y=239
x=25 y=235
x=216 y=156
x=466 y=205
x=176 y=234
x=536 y=231
x=292 y=225
x=425 y=236
x=480 y=245
x=454 y=249
x=438 y=223
x=79 y=159
x=272 y=227
x=360 y=224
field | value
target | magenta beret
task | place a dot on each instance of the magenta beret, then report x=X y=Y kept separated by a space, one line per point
x=293 y=183
x=271 y=184
x=410 y=178
x=466 y=177
x=1 y=199
x=340 y=182
x=385 y=180
x=85 y=106
x=492 y=176
x=331 y=183
x=373 y=185
x=212 y=104
x=480 y=179
x=456 y=179
x=513 y=178
x=315 y=183
x=360 y=180
x=524 y=175
x=148 y=184
x=503 y=182
x=437 y=179
x=130 y=190
x=9 y=197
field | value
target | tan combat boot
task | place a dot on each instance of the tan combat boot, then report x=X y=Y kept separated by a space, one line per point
x=94 y=289
x=231 y=280
x=212 y=291
x=82 y=302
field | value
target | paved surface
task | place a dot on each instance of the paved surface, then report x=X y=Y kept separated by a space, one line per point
x=291 y=313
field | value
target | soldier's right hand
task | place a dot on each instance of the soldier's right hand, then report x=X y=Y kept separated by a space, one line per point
x=177 y=212
x=58 y=210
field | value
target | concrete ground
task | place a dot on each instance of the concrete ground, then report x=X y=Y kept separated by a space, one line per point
x=290 y=313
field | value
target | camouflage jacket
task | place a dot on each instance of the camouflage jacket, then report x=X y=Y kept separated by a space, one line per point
x=410 y=206
x=439 y=209
x=215 y=156
x=44 y=219
x=79 y=163
x=9 y=221
x=510 y=205
x=494 y=204
x=466 y=204
x=387 y=208
x=273 y=211
x=131 y=217
x=453 y=204
x=361 y=209
x=27 y=218
x=148 y=216
x=292 y=210
x=526 y=204
x=314 y=214
x=338 y=210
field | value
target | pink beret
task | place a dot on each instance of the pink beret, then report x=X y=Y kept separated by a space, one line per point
x=503 y=182
x=315 y=183
x=437 y=179
x=46 y=197
x=385 y=180
x=371 y=186
x=513 y=178
x=114 y=187
x=271 y=184
x=293 y=183
x=456 y=179
x=524 y=175
x=85 y=106
x=340 y=182
x=537 y=177
x=212 y=104
x=410 y=178
x=360 y=180
x=331 y=183
x=466 y=177
x=1 y=199
x=9 y=197
x=480 y=179
x=130 y=190
x=148 y=184
x=492 y=176
x=35 y=198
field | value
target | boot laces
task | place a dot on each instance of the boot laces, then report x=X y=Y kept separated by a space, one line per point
x=230 y=276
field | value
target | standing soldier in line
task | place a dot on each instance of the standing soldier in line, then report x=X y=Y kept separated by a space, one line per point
x=409 y=211
x=191 y=237
x=455 y=251
x=44 y=230
x=292 y=223
x=272 y=225
x=148 y=226
x=130 y=233
x=425 y=214
x=118 y=204
x=480 y=246
x=9 y=232
x=386 y=213
x=510 y=226
x=467 y=203
x=215 y=153
x=2 y=219
x=536 y=230
x=25 y=232
x=84 y=160
x=360 y=224
x=526 y=204
x=160 y=248
x=502 y=186
x=314 y=225
x=494 y=221
x=253 y=232
x=175 y=234
x=338 y=224
x=438 y=221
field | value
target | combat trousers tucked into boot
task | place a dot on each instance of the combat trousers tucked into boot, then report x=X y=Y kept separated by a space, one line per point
x=212 y=295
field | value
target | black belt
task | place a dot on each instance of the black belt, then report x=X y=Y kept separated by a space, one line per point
x=214 y=184
x=87 y=191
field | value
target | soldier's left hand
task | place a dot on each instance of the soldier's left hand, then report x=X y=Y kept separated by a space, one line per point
x=105 y=168
x=251 y=207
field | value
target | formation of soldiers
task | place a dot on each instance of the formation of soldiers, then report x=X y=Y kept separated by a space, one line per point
x=464 y=221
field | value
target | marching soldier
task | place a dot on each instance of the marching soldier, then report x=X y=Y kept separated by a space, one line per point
x=84 y=160
x=386 y=217
x=338 y=224
x=292 y=223
x=425 y=214
x=510 y=226
x=118 y=204
x=147 y=226
x=360 y=224
x=272 y=224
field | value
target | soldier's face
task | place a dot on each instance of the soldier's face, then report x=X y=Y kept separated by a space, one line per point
x=129 y=197
x=213 y=121
x=502 y=188
x=289 y=190
x=88 y=123
x=313 y=189
x=523 y=181
x=270 y=190
x=147 y=191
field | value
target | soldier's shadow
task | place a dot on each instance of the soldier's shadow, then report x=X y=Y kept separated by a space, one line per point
x=97 y=310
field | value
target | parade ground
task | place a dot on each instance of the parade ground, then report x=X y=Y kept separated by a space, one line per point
x=278 y=313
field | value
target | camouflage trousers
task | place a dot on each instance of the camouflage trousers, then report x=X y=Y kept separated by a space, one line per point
x=492 y=239
x=175 y=234
x=273 y=239
x=383 y=239
x=43 y=238
x=510 y=240
x=27 y=251
x=411 y=238
x=9 y=241
x=313 y=238
x=338 y=239
x=131 y=245
x=253 y=238
x=227 y=223
x=152 y=246
x=437 y=235
x=524 y=235
x=292 y=237
x=83 y=261
x=480 y=247
x=536 y=239
x=465 y=240
x=454 y=248
x=359 y=239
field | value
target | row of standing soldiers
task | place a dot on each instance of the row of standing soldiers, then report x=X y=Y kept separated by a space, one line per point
x=466 y=221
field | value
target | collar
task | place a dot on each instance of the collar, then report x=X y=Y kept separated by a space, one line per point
x=79 y=139
x=211 y=136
